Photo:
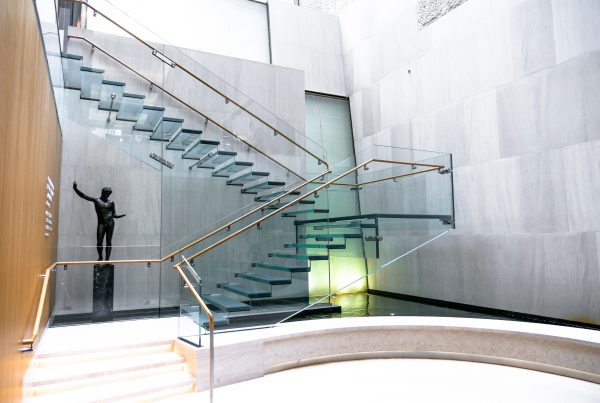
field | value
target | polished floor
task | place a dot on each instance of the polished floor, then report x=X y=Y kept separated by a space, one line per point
x=406 y=380
x=364 y=304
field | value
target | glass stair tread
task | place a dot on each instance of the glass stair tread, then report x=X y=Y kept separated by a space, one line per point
x=314 y=246
x=240 y=178
x=149 y=119
x=91 y=70
x=215 y=158
x=225 y=303
x=265 y=278
x=166 y=129
x=181 y=140
x=106 y=91
x=269 y=195
x=71 y=67
x=130 y=95
x=91 y=83
x=273 y=206
x=283 y=267
x=70 y=56
x=367 y=217
x=115 y=83
x=199 y=149
x=200 y=317
x=297 y=256
x=346 y=225
x=253 y=188
x=245 y=290
x=228 y=168
x=329 y=236
x=131 y=107
x=307 y=211
x=281 y=204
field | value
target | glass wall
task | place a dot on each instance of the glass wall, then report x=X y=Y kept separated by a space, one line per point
x=328 y=124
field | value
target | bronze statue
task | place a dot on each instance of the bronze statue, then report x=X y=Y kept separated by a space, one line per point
x=105 y=211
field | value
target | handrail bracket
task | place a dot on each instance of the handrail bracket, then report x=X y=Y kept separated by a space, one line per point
x=163 y=58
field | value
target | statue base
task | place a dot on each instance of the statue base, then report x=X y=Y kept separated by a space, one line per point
x=103 y=292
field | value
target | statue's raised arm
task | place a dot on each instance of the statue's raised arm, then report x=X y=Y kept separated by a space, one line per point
x=81 y=194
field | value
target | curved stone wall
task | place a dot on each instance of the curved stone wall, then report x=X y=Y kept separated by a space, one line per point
x=241 y=356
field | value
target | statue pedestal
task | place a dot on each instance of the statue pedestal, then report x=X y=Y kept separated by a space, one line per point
x=103 y=292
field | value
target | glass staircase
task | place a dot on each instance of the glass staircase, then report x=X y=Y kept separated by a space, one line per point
x=305 y=230
x=402 y=201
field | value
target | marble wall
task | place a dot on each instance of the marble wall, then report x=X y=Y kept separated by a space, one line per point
x=308 y=40
x=511 y=88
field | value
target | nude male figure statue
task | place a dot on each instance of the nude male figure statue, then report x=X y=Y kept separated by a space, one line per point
x=105 y=211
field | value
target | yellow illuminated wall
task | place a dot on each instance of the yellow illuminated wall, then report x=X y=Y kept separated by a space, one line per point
x=328 y=124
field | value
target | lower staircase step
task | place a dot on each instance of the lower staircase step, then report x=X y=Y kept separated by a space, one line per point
x=328 y=237
x=282 y=267
x=279 y=205
x=200 y=317
x=244 y=290
x=271 y=195
x=265 y=278
x=298 y=256
x=138 y=388
x=307 y=211
x=46 y=376
x=314 y=246
x=348 y=225
x=225 y=303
